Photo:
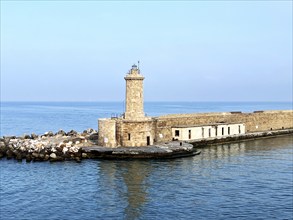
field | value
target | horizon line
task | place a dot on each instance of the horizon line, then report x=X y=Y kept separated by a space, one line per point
x=144 y=101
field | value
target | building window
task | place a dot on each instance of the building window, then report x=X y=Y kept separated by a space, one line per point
x=239 y=129
x=222 y=130
x=216 y=131
x=177 y=133
x=202 y=132
x=209 y=132
x=228 y=130
x=189 y=134
x=129 y=136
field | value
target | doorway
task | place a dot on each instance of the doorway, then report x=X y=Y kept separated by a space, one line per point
x=148 y=140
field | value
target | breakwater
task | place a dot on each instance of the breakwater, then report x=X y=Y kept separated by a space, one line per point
x=61 y=146
x=76 y=146
x=50 y=146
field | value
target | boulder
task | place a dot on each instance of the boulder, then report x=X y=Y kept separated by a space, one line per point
x=94 y=136
x=6 y=141
x=61 y=132
x=34 y=136
x=72 y=133
x=48 y=134
x=43 y=151
x=84 y=155
x=35 y=155
x=9 y=154
x=28 y=158
x=65 y=149
x=47 y=157
x=56 y=159
x=9 y=137
x=25 y=136
x=59 y=153
x=53 y=156
x=23 y=148
x=11 y=147
x=66 y=154
x=80 y=139
x=18 y=157
x=59 y=148
x=90 y=130
x=3 y=148
x=48 y=146
x=73 y=149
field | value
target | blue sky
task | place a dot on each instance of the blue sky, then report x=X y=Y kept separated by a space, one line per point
x=189 y=51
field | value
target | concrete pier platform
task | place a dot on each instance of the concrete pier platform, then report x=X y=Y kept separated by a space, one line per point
x=168 y=150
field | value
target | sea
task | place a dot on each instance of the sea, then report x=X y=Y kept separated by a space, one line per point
x=246 y=180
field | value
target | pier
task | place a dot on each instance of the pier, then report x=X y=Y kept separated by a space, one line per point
x=168 y=150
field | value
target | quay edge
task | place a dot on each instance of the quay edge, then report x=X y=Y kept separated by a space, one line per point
x=239 y=138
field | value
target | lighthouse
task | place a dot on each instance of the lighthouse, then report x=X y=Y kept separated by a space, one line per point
x=134 y=95
x=134 y=129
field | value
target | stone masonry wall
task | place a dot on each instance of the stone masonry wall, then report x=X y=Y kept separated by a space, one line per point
x=121 y=132
x=135 y=133
x=107 y=132
x=134 y=98
x=260 y=121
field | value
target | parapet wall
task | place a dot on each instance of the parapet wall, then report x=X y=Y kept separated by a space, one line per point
x=107 y=132
x=257 y=121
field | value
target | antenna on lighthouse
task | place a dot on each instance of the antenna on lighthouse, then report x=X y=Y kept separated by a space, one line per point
x=138 y=64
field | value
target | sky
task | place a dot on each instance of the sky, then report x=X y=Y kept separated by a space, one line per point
x=188 y=50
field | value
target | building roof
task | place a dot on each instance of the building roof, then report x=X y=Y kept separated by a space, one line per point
x=201 y=125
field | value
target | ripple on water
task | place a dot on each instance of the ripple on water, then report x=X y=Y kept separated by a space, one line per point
x=240 y=181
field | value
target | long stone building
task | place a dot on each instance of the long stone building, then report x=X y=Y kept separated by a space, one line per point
x=134 y=128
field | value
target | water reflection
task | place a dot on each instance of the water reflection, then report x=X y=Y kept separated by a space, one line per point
x=128 y=181
x=226 y=151
x=272 y=143
x=133 y=189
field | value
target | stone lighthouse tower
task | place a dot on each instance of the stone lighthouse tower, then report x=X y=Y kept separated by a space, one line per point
x=134 y=129
x=134 y=95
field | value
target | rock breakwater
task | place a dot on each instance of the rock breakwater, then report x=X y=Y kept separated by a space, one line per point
x=50 y=146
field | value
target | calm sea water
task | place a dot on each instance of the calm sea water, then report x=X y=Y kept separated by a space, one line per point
x=247 y=180
x=18 y=118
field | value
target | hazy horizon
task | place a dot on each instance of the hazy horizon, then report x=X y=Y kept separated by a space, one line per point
x=148 y=101
x=214 y=51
